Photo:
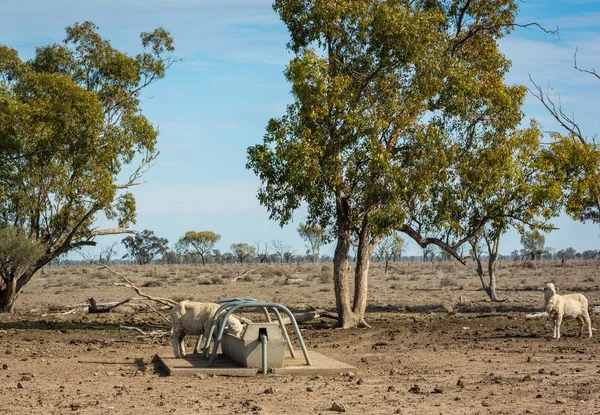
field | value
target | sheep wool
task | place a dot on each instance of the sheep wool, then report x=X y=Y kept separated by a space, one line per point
x=568 y=305
x=190 y=317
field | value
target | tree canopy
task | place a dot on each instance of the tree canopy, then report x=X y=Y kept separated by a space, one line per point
x=397 y=106
x=71 y=121
x=200 y=243
x=144 y=246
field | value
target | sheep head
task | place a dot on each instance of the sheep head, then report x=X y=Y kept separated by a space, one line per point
x=549 y=290
x=234 y=326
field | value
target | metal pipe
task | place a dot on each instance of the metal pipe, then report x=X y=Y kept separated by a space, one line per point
x=234 y=307
x=285 y=333
x=263 y=340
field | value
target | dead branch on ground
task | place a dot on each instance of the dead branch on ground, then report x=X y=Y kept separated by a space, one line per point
x=104 y=308
x=129 y=284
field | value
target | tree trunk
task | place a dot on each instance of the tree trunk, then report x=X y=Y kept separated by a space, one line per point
x=8 y=296
x=346 y=317
x=361 y=275
x=490 y=286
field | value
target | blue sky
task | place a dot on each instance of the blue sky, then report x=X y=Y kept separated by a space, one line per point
x=216 y=102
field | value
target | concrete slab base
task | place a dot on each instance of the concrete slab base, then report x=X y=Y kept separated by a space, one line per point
x=194 y=365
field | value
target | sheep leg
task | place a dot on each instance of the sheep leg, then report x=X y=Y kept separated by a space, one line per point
x=181 y=345
x=175 y=340
x=198 y=341
x=557 y=323
x=581 y=322
x=588 y=320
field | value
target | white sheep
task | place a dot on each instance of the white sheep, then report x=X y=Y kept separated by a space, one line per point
x=190 y=317
x=568 y=305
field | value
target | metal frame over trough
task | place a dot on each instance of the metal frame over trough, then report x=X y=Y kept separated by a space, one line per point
x=261 y=346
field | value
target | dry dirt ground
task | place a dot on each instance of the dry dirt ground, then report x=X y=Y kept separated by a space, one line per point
x=436 y=346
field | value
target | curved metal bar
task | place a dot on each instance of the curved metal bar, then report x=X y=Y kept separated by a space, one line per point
x=285 y=333
x=225 y=303
x=251 y=304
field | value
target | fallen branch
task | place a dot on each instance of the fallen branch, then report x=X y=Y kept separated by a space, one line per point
x=243 y=275
x=310 y=315
x=160 y=315
x=129 y=284
x=103 y=308
x=537 y=315
x=72 y=311
x=152 y=333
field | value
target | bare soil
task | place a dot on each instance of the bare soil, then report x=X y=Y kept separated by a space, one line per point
x=436 y=345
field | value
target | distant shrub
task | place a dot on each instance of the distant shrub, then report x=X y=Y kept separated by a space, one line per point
x=447 y=281
x=326 y=275
x=529 y=265
x=152 y=284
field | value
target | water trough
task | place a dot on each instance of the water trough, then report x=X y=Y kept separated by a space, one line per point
x=263 y=347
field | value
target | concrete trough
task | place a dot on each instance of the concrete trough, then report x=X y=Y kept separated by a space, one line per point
x=224 y=366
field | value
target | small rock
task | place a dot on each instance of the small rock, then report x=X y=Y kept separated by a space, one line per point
x=338 y=407
x=20 y=385
x=4 y=366
x=485 y=403
x=394 y=371
x=26 y=378
x=538 y=396
x=269 y=390
x=438 y=389
x=75 y=407
x=391 y=389
x=415 y=389
x=526 y=378
x=359 y=381
x=309 y=389
x=460 y=383
x=542 y=371
x=560 y=401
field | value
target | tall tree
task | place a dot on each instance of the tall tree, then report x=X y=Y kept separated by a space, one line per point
x=575 y=158
x=17 y=254
x=388 y=95
x=200 y=243
x=144 y=246
x=71 y=119
x=315 y=237
x=243 y=252
x=533 y=244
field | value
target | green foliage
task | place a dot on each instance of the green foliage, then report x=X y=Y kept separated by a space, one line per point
x=533 y=244
x=315 y=237
x=396 y=107
x=71 y=120
x=144 y=246
x=200 y=243
x=243 y=252
x=17 y=253
x=400 y=121
x=575 y=168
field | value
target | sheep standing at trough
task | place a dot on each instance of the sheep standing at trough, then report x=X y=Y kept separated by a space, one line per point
x=190 y=317
x=568 y=305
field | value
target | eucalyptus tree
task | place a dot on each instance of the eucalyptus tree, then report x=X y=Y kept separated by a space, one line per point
x=17 y=254
x=201 y=243
x=574 y=156
x=315 y=237
x=71 y=120
x=144 y=246
x=387 y=96
x=243 y=252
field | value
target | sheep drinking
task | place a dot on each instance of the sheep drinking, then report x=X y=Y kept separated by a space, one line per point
x=190 y=317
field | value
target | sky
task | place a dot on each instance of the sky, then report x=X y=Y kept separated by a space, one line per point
x=216 y=100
